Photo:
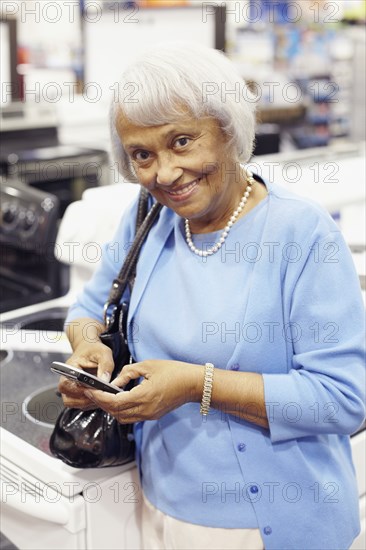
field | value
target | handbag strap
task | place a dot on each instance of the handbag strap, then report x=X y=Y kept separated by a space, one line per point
x=142 y=207
x=142 y=210
x=144 y=222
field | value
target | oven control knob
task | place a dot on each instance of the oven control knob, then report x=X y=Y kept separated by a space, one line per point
x=9 y=213
x=29 y=220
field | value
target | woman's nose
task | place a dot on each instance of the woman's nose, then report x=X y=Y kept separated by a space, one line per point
x=167 y=171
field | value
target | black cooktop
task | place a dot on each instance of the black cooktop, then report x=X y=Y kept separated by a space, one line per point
x=29 y=396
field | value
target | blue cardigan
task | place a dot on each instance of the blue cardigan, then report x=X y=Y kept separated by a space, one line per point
x=280 y=298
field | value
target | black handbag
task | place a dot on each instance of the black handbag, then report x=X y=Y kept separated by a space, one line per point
x=94 y=438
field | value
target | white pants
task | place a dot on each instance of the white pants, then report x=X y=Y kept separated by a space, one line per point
x=162 y=532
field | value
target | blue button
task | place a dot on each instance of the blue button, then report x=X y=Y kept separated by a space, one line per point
x=235 y=366
x=254 y=489
x=242 y=447
x=267 y=530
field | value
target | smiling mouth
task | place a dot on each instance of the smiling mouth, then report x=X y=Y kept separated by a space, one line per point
x=184 y=189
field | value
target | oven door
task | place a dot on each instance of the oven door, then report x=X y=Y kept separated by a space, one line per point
x=18 y=290
x=36 y=515
x=46 y=504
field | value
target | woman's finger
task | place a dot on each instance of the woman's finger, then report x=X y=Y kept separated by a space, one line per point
x=130 y=372
x=105 y=365
x=125 y=412
x=84 y=403
x=70 y=387
x=73 y=394
x=114 y=402
x=97 y=358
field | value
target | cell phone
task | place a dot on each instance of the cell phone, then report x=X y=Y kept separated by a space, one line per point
x=83 y=377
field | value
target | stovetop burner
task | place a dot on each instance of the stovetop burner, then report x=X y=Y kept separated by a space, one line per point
x=29 y=395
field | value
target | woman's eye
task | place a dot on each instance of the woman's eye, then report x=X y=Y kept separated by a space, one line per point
x=141 y=156
x=181 y=142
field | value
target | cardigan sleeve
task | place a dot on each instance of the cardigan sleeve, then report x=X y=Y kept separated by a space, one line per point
x=323 y=392
x=90 y=302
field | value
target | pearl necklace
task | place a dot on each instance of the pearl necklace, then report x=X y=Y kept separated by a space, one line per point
x=213 y=249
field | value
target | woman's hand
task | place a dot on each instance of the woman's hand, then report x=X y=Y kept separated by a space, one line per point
x=89 y=356
x=166 y=386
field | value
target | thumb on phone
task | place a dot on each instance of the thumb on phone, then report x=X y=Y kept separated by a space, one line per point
x=105 y=365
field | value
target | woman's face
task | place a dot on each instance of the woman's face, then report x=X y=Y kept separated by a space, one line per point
x=187 y=167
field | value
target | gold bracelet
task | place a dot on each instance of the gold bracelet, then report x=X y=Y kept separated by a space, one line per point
x=207 y=389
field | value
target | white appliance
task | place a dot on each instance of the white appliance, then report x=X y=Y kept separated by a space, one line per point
x=45 y=503
x=333 y=176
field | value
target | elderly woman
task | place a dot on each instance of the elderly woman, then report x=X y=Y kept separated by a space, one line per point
x=245 y=290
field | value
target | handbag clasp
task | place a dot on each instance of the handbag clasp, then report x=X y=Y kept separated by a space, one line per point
x=109 y=312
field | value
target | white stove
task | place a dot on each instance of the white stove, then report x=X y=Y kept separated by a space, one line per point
x=45 y=503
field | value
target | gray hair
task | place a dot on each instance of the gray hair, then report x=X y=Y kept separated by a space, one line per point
x=175 y=75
